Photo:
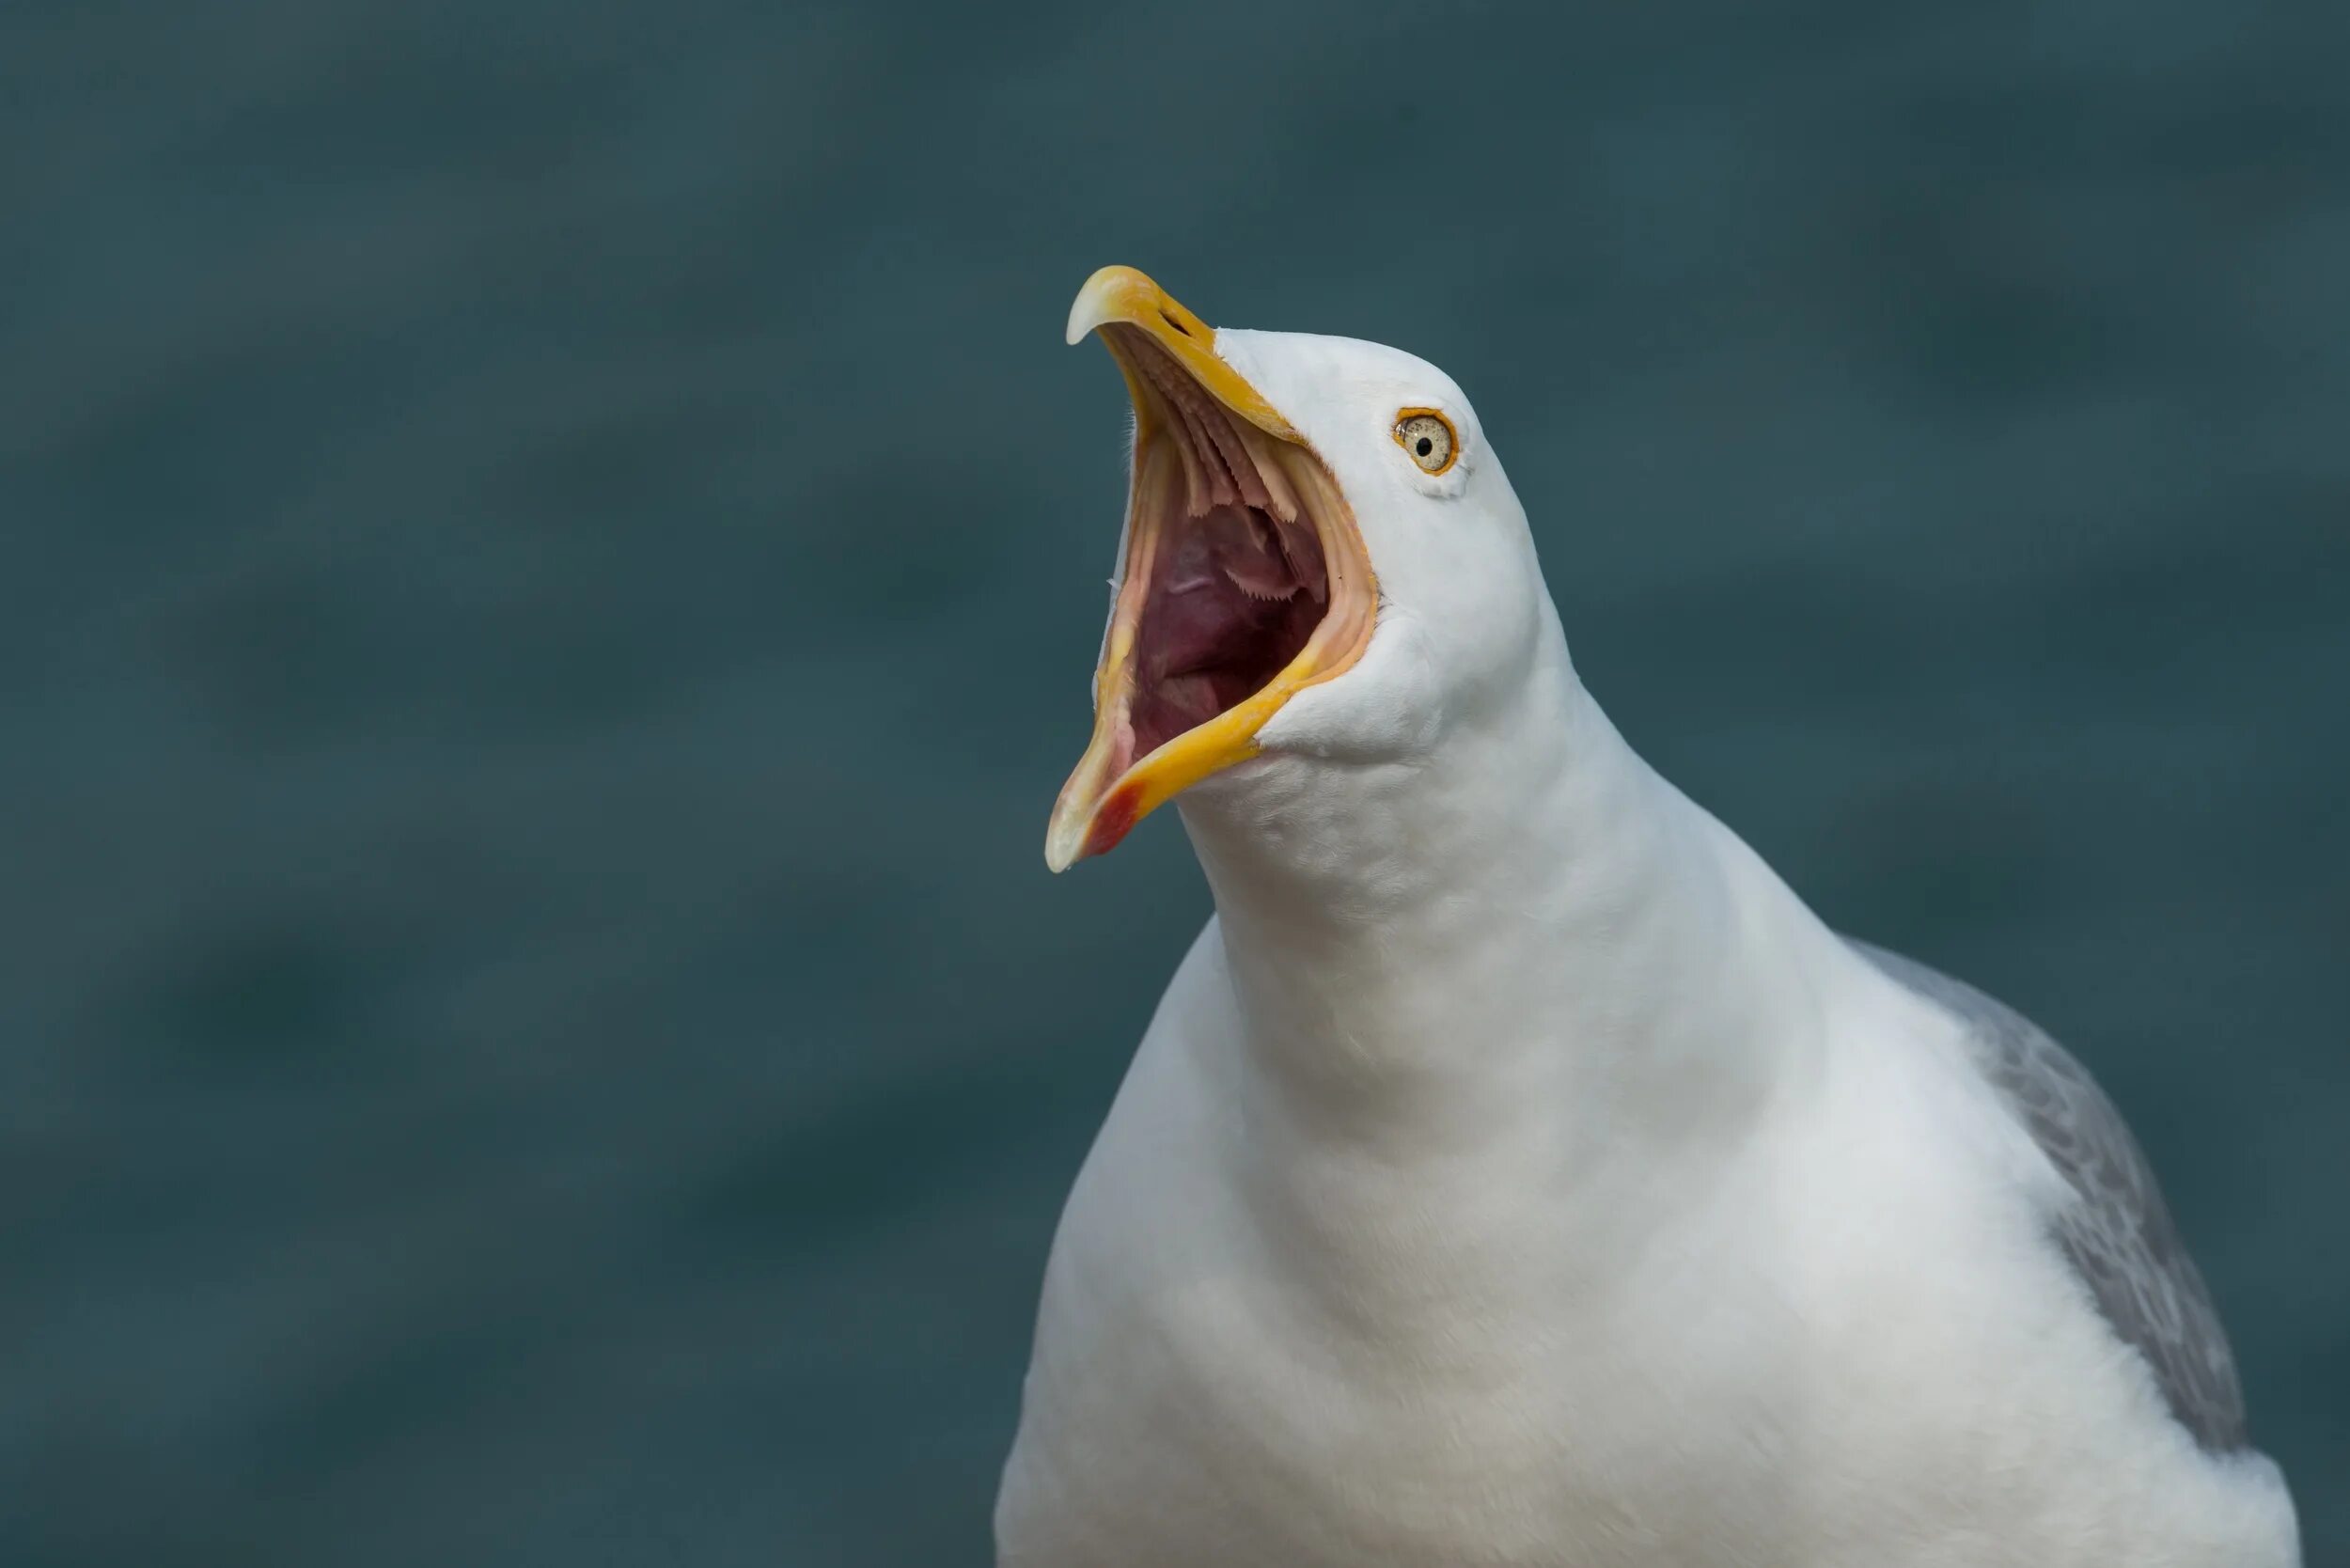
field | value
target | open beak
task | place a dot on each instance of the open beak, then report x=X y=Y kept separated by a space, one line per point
x=1244 y=579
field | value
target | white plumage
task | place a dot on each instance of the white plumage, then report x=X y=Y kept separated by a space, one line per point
x=1518 y=1173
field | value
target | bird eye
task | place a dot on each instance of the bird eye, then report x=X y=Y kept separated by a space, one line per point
x=1426 y=436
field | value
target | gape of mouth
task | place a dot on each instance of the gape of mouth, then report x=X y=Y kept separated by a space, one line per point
x=1235 y=579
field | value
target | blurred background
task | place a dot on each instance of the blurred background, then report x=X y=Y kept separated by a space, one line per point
x=550 y=560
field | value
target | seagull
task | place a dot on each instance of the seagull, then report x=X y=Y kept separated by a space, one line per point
x=1517 y=1174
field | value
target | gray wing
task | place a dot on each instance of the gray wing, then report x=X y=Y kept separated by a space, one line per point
x=2119 y=1237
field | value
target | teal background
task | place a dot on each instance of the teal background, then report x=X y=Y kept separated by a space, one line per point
x=549 y=561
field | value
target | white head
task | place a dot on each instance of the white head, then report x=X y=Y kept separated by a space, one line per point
x=1323 y=558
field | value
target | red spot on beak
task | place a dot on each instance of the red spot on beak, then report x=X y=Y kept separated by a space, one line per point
x=1113 y=822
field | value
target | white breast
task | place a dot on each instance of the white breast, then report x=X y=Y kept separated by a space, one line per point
x=1806 y=1350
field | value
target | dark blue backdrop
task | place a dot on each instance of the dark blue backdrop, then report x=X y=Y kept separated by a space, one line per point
x=549 y=561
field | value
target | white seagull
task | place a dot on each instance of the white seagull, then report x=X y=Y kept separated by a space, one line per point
x=1516 y=1172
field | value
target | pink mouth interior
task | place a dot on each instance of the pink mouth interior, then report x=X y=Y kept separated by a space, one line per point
x=1235 y=591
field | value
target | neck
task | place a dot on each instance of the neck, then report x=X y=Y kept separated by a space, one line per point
x=1523 y=925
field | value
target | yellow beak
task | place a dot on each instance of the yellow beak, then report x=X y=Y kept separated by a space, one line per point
x=1111 y=789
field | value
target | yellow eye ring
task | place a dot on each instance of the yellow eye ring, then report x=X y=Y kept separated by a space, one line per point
x=1427 y=438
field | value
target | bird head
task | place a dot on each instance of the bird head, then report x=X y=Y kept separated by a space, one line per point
x=1322 y=560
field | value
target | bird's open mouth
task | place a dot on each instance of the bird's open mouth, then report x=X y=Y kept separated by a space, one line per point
x=1244 y=579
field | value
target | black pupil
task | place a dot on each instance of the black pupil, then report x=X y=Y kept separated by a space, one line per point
x=1426 y=446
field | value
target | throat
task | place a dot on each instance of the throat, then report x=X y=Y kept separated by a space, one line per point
x=1234 y=598
x=1528 y=930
